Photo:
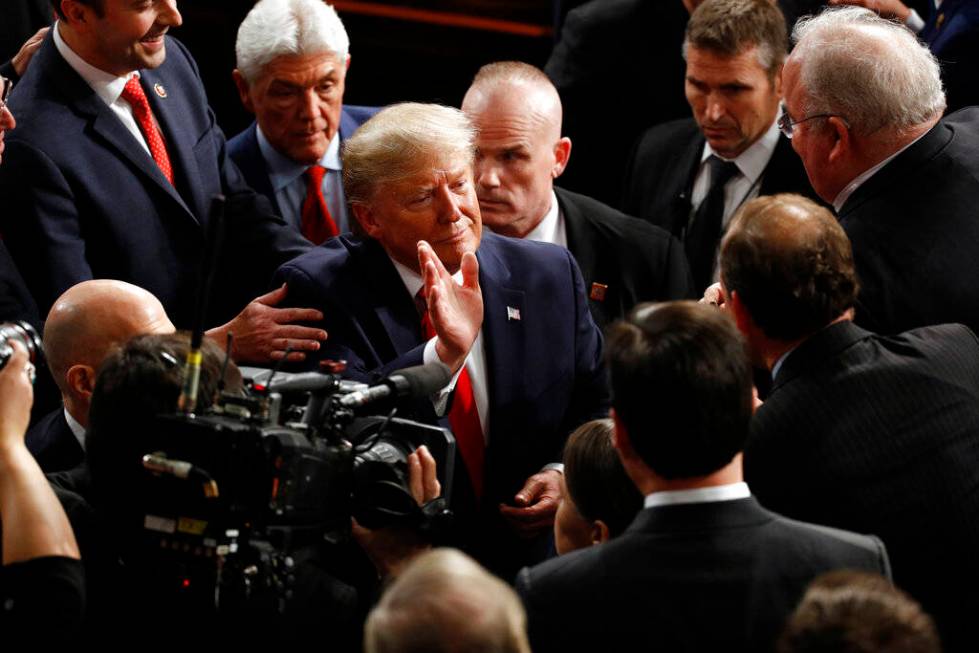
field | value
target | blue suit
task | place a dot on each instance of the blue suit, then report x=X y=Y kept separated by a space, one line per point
x=83 y=199
x=245 y=152
x=952 y=34
x=544 y=370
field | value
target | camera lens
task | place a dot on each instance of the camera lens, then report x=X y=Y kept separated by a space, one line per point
x=23 y=333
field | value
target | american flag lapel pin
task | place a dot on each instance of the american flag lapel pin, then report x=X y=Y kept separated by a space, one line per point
x=512 y=314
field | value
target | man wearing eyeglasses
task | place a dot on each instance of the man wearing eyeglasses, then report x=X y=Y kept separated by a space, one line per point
x=690 y=176
x=863 y=101
x=112 y=171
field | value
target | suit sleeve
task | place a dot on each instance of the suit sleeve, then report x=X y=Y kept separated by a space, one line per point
x=41 y=224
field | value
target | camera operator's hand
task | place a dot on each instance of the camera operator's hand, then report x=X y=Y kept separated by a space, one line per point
x=390 y=549
x=714 y=295
x=536 y=504
x=456 y=312
x=16 y=397
x=263 y=333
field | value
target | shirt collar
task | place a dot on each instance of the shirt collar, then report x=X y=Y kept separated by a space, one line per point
x=546 y=230
x=729 y=492
x=753 y=161
x=283 y=170
x=106 y=85
x=862 y=178
x=77 y=429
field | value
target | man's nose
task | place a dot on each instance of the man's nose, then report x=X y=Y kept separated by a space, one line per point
x=170 y=16
x=7 y=120
x=715 y=108
x=308 y=104
x=448 y=204
x=487 y=175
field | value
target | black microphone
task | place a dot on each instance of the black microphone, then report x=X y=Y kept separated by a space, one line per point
x=411 y=382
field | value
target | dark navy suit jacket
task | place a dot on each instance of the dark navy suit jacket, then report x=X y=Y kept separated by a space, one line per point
x=244 y=151
x=952 y=34
x=544 y=368
x=84 y=200
x=53 y=444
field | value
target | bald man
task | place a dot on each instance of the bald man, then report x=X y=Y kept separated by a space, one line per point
x=84 y=324
x=520 y=152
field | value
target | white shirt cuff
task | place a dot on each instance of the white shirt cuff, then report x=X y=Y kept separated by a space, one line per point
x=915 y=22
x=441 y=398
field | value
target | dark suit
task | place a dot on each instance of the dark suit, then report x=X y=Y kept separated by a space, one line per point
x=53 y=443
x=915 y=234
x=719 y=576
x=544 y=369
x=637 y=261
x=659 y=181
x=16 y=303
x=84 y=200
x=245 y=152
x=881 y=435
x=952 y=35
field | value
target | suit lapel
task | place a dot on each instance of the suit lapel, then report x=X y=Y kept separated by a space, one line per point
x=580 y=240
x=395 y=310
x=347 y=125
x=255 y=169
x=503 y=331
x=683 y=170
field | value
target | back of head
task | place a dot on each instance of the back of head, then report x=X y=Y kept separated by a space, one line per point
x=856 y=612
x=873 y=72
x=791 y=264
x=275 y=28
x=729 y=27
x=444 y=602
x=598 y=484
x=681 y=385
x=401 y=140
x=138 y=381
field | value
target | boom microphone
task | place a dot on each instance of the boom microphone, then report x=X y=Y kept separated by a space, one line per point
x=411 y=382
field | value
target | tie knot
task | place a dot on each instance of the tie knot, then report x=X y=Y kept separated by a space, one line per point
x=315 y=174
x=133 y=93
x=721 y=171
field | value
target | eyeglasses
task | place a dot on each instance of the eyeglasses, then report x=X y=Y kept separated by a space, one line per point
x=5 y=87
x=786 y=125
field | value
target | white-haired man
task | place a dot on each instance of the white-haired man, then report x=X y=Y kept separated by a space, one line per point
x=863 y=106
x=293 y=57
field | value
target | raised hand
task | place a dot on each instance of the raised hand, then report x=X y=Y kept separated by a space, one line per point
x=455 y=311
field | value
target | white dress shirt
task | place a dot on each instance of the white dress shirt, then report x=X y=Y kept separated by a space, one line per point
x=475 y=362
x=77 y=429
x=106 y=85
x=729 y=492
x=863 y=177
x=551 y=229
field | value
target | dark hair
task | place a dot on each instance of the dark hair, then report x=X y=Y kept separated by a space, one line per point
x=791 y=264
x=97 y=5
x=681 y=385
x=136 y=382
x=596 y=480
x=856 y=612
x=729 y=27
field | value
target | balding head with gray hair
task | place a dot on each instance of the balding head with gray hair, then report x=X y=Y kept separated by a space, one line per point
x=275 y=28
x=873 y=72
x=400 y=141
x=446 y=603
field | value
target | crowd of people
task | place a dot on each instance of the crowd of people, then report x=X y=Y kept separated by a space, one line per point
x=716 y=387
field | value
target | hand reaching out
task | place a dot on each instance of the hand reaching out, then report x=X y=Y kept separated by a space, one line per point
x=456 y=312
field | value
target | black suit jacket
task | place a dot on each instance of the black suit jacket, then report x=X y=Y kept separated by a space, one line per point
x=881 y=434
x=718 y=576
x=915 y=233
x=664 y=164
x=53 y=444
x=636 y=261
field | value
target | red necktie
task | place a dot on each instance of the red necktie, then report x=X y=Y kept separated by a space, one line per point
x=463 y=416
x=134 y=95
x=318 y=224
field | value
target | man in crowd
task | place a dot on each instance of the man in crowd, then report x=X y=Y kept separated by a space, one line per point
x=864 y=432
x=510 y=318
x=292 y=64
x=690 y=176
x=863 y=103
x=84 y=324
x=703 y=567
x=519 y=154
x=113 y=168
x=444 y=602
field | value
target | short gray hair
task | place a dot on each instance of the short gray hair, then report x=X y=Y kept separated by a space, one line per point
x=444 y=601
x=399 y=141
x=275 y=28
x=872 y=72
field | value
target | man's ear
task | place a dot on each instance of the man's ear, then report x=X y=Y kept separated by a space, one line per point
x=620 y=436
x=243 y=90
x=599 y=532
x=81 y=380
x=366 y=220
x=562 y=152
x=739 y=312
x=346 y=67
x=778 y=81
x=75 y=13
x=842 y=143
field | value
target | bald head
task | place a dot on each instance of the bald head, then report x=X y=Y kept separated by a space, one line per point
x=520 y=151
x=83 y=326
x=791 y=264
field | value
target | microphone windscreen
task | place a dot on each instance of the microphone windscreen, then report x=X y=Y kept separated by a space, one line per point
x=422 y=380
